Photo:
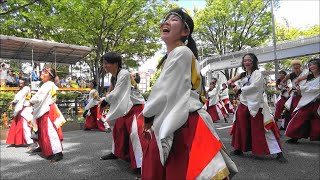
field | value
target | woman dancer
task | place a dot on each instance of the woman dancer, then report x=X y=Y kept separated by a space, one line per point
x=306 y=119
x=183 y=143
x=20 y=129
x=47 y=118
x=253 y=128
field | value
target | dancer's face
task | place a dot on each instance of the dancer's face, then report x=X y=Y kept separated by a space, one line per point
x=173 y=29
x=46 y=75
x=109 y=67
x=313 y=67
x=248 y=63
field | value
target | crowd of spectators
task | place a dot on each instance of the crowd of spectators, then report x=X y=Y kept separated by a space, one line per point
x=10 y=78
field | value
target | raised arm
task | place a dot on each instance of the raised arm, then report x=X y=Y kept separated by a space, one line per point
x=234 y=79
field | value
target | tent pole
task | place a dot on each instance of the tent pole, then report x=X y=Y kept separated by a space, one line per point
x=31 y=64
x=55 y=60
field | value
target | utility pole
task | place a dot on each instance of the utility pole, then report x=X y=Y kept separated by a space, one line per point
x=276 y=62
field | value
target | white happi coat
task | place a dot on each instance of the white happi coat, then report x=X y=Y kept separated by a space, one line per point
x=253 y=96
x=93 y=100
x=171 y=98
x=213 y=95
x=42 y=100
x=310 y=91
x=122 y=97
x=22 y=99
x=292 y=84
x=224 y=94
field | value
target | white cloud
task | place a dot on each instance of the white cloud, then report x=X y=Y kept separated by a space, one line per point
x=299 y=13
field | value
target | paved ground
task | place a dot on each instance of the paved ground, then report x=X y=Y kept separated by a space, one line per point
x=82 y=150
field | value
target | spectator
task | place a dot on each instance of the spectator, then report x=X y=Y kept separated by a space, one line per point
x=11 y=82
x=3 y=75
x=34 y=75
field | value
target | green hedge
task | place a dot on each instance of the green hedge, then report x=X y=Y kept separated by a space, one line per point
x=9 y=96
x=6 y=96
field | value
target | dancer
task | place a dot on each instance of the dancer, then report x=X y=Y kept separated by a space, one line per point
x=224 y=97
x=47 y=118
x=183 y=143
x=294 y=97
x=125 y=105
x=92 y=110
x=213 y=108
x=20 y=129
x=253 y=128
x=306 y=119
x=282 y=98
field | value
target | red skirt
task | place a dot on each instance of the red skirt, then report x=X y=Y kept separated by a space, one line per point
x=280 y=107
x=192 y=149
x=212 y=110
x=49 y=137
x=305 y=123
x=223 y=109
x=226 y=103
x=16 y=134
x=248 y=133
x=123 y=148
x=93 y=121
x=295 y=101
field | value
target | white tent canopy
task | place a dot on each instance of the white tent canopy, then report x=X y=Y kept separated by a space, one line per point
x=34 y=50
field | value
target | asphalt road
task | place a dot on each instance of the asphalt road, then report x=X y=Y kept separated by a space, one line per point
x=82 y=150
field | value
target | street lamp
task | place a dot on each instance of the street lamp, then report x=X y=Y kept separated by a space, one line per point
x=276 y=62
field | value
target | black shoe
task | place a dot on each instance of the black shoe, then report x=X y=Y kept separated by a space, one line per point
x=108 y=157
x=225 y=120
x=137 y=171
x=108 y=130
x=57 y=157
x=281 y=158
x=87 y=129
x=292 y=141
x=36 y=150
x=282 y=128
x=32 y=146
x=237 y=153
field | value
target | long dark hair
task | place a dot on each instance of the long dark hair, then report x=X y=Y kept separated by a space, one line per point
x=254 y=61
x=187 y=20
x=316 y=61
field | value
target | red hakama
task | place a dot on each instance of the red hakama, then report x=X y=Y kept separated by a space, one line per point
x=19 y=130
x=294 y=103
x=227 y=104
x=305 y=123
x=123 y=147
x=280 y=107
x=248 y=132
x=192 y=149
x=49 y=137
x=212 y=110
x=93 y=121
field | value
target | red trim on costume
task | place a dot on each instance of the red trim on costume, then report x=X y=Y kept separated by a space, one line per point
x=200 y=154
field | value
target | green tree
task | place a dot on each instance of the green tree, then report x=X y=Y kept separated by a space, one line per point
x=129 y=27
x=285 y=32
x=232 y=25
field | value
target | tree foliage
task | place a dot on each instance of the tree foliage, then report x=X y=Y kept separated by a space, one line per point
x=285 y=32
x=232 y=25
x=129 y=27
